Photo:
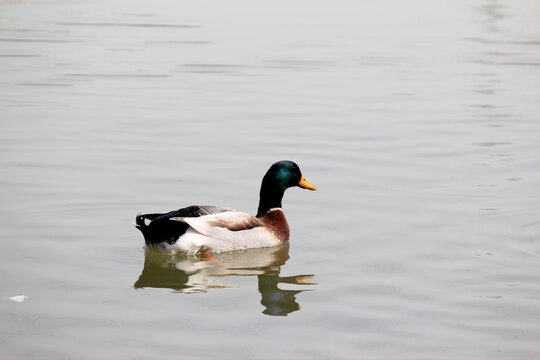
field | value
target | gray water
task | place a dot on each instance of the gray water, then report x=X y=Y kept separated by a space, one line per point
x=417 y=120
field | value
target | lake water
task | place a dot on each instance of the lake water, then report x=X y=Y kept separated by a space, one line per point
x=417 y=120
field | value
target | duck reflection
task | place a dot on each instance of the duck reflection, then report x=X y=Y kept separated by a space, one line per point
x=194 y=274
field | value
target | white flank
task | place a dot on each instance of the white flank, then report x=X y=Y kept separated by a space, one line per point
x=210 y=232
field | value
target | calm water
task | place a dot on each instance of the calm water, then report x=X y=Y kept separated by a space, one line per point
x=417 y=120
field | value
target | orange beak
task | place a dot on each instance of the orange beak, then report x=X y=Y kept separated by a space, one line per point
x=306 y=185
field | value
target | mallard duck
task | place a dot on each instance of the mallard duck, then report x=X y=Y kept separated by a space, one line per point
x=207 y=229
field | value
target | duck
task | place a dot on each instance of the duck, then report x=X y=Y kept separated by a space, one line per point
x=203 y=229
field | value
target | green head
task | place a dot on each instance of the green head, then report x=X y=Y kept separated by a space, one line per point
x=281 y=176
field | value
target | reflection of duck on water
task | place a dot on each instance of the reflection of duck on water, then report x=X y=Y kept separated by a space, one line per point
x=192 y=274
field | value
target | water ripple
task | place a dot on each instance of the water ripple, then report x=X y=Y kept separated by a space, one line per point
x=40 y=40
x=115 y=24
x=119 y=75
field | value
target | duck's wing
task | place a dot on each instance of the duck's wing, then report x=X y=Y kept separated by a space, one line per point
x=159 y=228
x=195 y=211
x=229 y=221
x=231 y=230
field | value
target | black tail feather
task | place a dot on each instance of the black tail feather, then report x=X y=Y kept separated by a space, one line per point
x=160 y=229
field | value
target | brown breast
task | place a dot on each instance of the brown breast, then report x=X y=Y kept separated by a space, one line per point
x=275 y=220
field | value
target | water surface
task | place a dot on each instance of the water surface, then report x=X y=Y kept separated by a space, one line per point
x=417 y=121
